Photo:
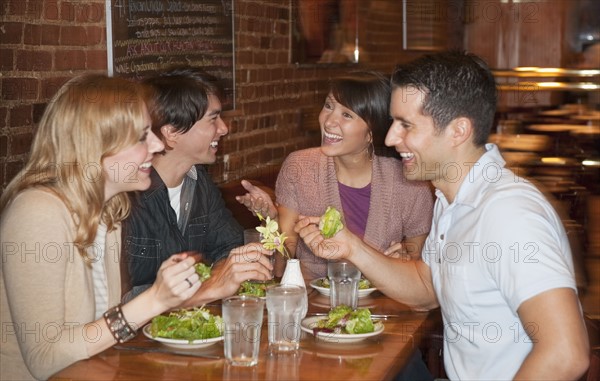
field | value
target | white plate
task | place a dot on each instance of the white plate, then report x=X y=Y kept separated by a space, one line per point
x=325 y=291
x=342 y=338
x=181 y=344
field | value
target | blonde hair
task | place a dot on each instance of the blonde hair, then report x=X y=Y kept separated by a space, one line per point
x=90 y=117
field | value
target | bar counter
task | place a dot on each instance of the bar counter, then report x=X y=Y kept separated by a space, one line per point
x=376 y=358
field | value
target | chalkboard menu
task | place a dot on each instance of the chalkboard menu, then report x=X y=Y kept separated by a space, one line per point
x=146 y=36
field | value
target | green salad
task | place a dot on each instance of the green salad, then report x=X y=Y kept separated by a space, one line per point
x=255 y=288
x=342 y=319
x=194 y=324
x=363 y=283
x=331 y=222
x=203 y=271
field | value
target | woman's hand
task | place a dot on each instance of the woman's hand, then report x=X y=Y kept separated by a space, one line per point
x=257 y=201
x=176 y=280
x=396 y=250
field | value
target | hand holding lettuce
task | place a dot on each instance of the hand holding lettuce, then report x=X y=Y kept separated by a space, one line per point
x=331 y=222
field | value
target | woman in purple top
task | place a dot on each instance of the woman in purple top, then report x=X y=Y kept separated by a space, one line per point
x=390 y=213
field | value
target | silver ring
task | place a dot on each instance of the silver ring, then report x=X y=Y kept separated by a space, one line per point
x=189 y=282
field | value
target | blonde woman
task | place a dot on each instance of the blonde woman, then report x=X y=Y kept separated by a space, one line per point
x=60 y=232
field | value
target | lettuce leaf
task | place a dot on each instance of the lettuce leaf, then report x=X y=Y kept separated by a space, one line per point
x=255 y=288
x=360 y=322
x=331 y=222
x=342 y=319
x=203 y=271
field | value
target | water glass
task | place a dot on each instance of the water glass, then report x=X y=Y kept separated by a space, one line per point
x=251 y=235
x=343 y=280
x=242 y=317
x=284 y=308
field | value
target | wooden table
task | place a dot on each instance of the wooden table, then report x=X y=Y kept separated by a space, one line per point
x=376 y=358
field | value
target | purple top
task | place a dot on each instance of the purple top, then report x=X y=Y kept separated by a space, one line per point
x=355 y=203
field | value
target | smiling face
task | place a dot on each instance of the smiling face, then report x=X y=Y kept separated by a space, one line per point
x=129 y=169
x=423 y=148
x=199 y=145
x=343 y=132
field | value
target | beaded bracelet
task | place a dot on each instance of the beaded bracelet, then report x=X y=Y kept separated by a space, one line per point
x=118 y=325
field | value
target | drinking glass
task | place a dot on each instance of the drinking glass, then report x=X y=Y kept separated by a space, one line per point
x=343 y=280
x=284 y=307
x=242 y=317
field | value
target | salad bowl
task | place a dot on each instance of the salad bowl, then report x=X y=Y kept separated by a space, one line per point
x=309 y=323
x=317 y=285
x=179 y=343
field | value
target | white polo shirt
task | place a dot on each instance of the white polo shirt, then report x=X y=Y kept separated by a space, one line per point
x=498 y=244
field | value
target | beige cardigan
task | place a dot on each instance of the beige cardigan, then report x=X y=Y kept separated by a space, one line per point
x=46 y=287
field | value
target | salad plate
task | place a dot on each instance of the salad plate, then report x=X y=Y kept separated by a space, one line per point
x=317 y=285
x=179 y=343
x=309 y=323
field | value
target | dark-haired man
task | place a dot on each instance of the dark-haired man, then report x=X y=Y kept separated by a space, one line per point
x=183 y=209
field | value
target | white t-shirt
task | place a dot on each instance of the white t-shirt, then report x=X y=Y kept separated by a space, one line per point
x=498 y=244
x=175 y=198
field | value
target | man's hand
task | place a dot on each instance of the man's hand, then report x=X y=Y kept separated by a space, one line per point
x=244 y=263
x=257 y=201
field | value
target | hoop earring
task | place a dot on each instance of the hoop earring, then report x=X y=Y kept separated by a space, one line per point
x=371 y=147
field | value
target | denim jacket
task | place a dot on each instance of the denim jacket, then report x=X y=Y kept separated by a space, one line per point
x=151 y=235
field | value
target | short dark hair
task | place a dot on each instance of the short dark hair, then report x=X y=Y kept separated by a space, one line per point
x=366 y=93
x=455 y=84
x=179 y=97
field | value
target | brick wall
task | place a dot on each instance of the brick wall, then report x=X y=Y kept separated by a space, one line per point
x=43 y=44
x=46 y=42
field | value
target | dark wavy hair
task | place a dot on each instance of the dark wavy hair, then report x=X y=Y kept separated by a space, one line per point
x=455 y=84
x=366 y=93
x=179 y=97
